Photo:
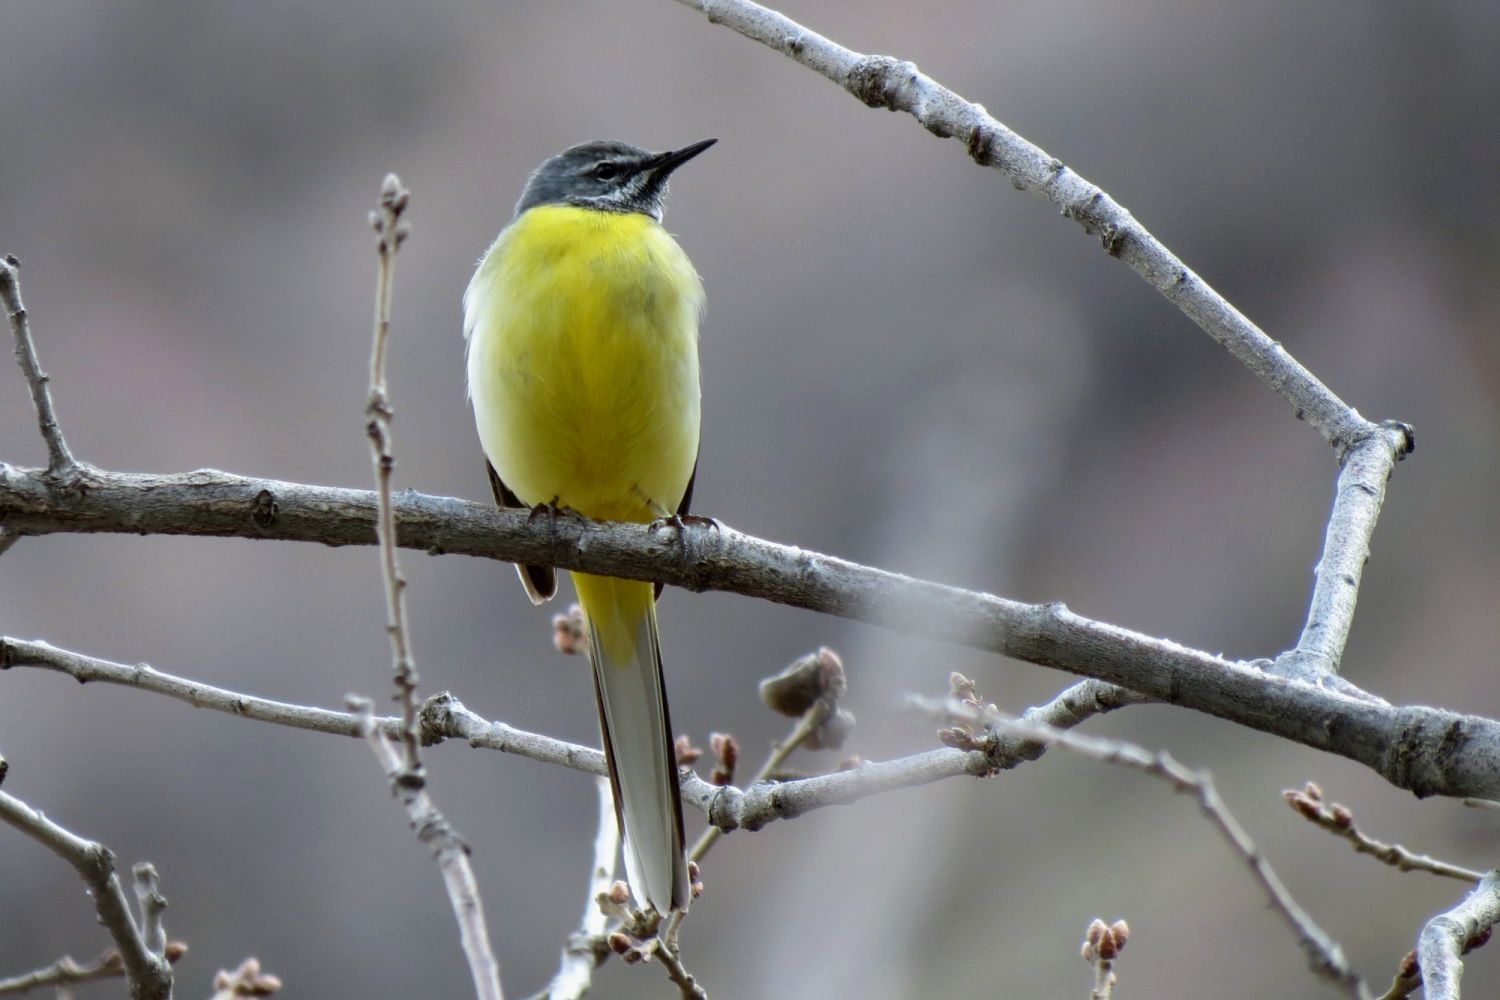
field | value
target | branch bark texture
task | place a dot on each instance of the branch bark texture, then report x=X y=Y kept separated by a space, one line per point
x=1426 y=750
x=1448 y=936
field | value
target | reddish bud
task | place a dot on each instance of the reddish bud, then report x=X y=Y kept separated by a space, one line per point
x=1096 y=931
x=568 y=633
x=831 y=676
x=727 y=751
x=1304 y=805
x=686 y=752
x=1343 y=818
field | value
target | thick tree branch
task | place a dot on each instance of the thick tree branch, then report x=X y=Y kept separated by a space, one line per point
x=1426 y=750
x=1447 y=936
x=885 y=82
x=148 y=973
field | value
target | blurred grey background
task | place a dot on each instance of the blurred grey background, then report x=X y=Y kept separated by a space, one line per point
x=906 y=363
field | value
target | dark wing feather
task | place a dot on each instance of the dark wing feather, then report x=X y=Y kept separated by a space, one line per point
x=682 y=508
x=540 y=581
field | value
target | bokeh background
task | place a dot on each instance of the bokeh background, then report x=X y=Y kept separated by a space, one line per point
x=907 y=363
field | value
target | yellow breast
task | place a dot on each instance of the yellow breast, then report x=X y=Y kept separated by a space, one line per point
x=583 y=361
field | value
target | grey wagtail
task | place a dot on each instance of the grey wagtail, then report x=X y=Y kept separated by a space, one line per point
x=582 y=327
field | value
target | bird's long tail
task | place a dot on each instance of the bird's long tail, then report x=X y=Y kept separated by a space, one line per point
x=637 y=732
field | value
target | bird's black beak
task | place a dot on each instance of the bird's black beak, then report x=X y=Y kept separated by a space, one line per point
x=663 y=164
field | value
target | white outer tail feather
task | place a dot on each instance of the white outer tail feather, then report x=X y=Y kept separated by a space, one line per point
x=637 y=734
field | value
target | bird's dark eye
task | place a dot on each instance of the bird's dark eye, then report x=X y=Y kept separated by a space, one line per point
x=605 y=170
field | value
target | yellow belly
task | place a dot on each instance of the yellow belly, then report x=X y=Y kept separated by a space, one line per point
x=583 y=362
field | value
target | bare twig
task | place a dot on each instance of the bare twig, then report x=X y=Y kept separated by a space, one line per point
x=65 y=971
x=1346 y=547
x=1426 y=750
x=445 y=718
x=1325 y=956
x=1448 y=936
x=89 y=669
x=671 y=960
x=59 y=458
x=404 y=769
x=153 y=907
x=587 y=947
x=1339 y=821
x=452 y=854
x=148 y=972
x=391 y=231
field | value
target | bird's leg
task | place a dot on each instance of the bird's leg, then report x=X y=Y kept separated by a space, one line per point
x=681 y=521
x=551 y=510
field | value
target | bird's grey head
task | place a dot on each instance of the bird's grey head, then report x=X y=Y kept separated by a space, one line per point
x=607 y=175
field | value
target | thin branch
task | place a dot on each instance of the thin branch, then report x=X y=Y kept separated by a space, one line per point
x=1448 y=936
x=89 y=669
x=1325 y=956
x=59 y=458
x=391 y=232
x=1346 y=546
x=148 y=972
x=153 y=906
x=64 y=972
x=671 y=960
x=447 y=847
x=1426 y=750
x=884 y=82
x=445 y=718
x=1339 y=821
x=587 y=948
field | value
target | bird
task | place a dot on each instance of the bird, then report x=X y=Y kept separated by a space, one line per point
x=582 y=325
